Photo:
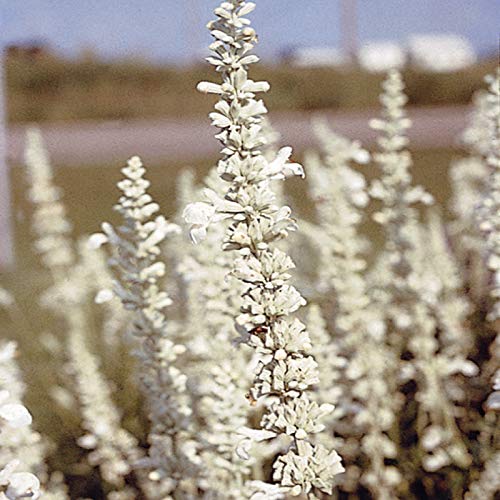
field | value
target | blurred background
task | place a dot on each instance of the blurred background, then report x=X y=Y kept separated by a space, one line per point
x=106 y=79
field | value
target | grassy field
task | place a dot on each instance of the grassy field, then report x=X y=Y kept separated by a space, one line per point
x=50 y=89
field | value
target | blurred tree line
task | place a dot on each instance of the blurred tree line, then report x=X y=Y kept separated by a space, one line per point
x=44 y=87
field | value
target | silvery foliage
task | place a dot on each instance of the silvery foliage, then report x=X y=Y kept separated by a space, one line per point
x=222 y=374
x=135 y=260
x=489 y=209
x=20 y=447
x=489 y=216
x=66 y=297
x=340 y=193
x=285 y=371
x=95 y=276
x=50 y=224
x=51 y=229
x=450 y=306
x=113 y=449
x=469 y=178
x=407 y=296
x=331 y=364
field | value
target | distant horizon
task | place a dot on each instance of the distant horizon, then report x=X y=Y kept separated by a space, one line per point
x=168 y=31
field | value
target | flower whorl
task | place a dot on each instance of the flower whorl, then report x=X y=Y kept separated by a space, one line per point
x=285 y=369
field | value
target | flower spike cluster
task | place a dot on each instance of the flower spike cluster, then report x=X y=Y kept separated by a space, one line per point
x=221 y=373
x=135 y=248
x=20 y=447
x=66 y=297
x=409 y=299
x=285 y=370
x=341 y=194
x=489 y=211
x=50 y=224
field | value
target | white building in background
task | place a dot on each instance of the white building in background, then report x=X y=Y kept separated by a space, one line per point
x=378 y=57
x=440 y=53
x=318 y=57
x=437 y=53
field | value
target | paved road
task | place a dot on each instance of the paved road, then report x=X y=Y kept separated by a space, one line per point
x=186 y=140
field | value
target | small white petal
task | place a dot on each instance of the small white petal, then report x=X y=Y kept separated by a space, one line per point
x=293 y=169
x=198 y=213
x=22 y=485
x=89 y=441
x=103 y=296
x=362 y=156
x=97 y=240
x=15 y=415
x=209 y=88
x=198 y=233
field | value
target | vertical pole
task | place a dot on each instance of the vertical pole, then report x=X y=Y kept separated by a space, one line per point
x=6 y=231
x=349 y=27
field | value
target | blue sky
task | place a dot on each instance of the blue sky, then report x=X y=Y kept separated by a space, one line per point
x=175 y=29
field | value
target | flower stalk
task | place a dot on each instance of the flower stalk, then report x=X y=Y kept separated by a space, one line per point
x=285 y=370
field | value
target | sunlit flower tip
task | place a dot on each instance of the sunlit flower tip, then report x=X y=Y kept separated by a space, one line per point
x=246 y=9
x=362 y=156
x=103 y=296
x=89 y=442
x=134 y=162
x=15 y=415
x=280 y=166
x=209 y=88
x=469 y=368
x=427 y=199
x=23 y=485
x=96 y=241
x=327 y=408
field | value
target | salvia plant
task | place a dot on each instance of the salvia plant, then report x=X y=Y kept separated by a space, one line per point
x=285 y=370
x=174 y=370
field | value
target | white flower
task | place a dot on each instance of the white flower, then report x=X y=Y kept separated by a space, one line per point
x=279 y=168
x=96 y=240
x=15 y=415
x=361 y=156
x=23 y=485
x=209 y=88
x=104 y=295
x=18 y=484
x=199 y=215
x=250 y=436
